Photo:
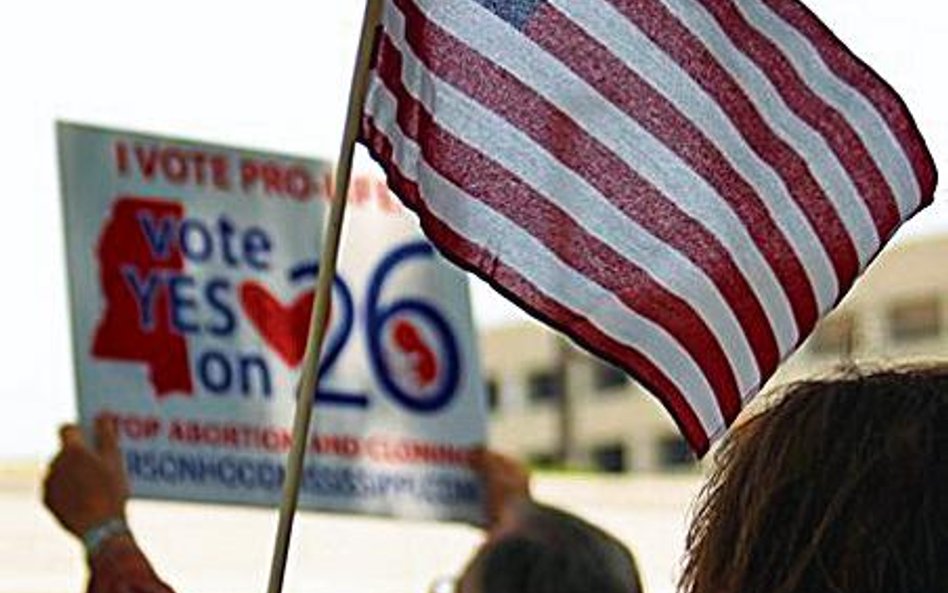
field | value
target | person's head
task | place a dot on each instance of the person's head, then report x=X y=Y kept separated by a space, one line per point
x=546 y=550
x=839 y=485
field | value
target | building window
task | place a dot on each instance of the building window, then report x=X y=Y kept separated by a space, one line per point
x=544 y=386
x=834 y=336
x=607 y=377
x=674 y=453
x=492 y=388
x=610 y=458
x=917 y=319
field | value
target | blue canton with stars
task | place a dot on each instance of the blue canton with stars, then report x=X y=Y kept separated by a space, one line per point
x=515 y=12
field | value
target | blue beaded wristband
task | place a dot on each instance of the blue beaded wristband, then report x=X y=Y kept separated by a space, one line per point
x=97 y=535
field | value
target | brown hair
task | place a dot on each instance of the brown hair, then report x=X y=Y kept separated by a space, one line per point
x=839 y=485
x=555 y=552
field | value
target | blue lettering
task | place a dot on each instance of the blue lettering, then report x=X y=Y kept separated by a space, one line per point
x=196 y=241
x=215 y=372
x=200 y=243
x=216 y=292
x=182 y=303
x=226 y=229
x=248 y=366
x=257 y=247
x=158 y=237
x=145 y=293
x=221 y=372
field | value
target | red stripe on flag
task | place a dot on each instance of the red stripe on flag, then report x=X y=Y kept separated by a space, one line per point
x=668 y=33
x=489 y=182
x=555 y=131
x=822 y=117
x=514 y=286
x=861 y=77
x=593 y=62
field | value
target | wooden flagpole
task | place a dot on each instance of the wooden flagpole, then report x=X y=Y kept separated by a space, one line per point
x=306 y=388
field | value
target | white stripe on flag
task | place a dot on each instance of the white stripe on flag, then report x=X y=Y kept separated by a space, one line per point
x=602 y=21
x=481 y=30
x=856 y=108
x=482 y=226
x=804 y=140
x=490 y=134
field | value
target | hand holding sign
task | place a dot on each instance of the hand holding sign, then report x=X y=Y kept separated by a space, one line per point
x=86 y=486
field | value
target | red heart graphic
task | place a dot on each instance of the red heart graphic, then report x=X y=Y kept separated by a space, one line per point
x=283 y=328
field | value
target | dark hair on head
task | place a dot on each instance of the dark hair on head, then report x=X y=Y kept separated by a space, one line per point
x=555 y=552
x=838 y=486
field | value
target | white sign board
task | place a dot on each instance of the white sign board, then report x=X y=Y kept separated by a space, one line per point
x=191 y=273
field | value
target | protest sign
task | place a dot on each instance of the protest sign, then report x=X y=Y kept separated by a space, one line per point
x=191 y=271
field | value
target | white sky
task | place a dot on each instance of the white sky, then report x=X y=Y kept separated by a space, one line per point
x=268 y=75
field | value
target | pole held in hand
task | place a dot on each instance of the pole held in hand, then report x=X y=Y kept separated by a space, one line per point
x=306 y=389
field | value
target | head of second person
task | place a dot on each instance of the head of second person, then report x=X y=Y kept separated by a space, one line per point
x=839 y=485
x=541 y=549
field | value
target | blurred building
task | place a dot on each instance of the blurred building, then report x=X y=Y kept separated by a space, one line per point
x=551 y=403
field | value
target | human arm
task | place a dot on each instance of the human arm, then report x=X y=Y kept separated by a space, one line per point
x=86 y=490
x=506 y=490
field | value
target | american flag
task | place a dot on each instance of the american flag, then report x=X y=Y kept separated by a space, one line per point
x=682 y=186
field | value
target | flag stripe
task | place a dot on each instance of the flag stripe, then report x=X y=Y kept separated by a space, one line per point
x=707 y=230
x=866 y=122
x=525 y=159
x=596 y=261
x=638 y=53
x=858 y=75
x=848 y=149
x=510 y=280
x=451 y=60
x=697 y=44
x=589 y=59
x=682 y=186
